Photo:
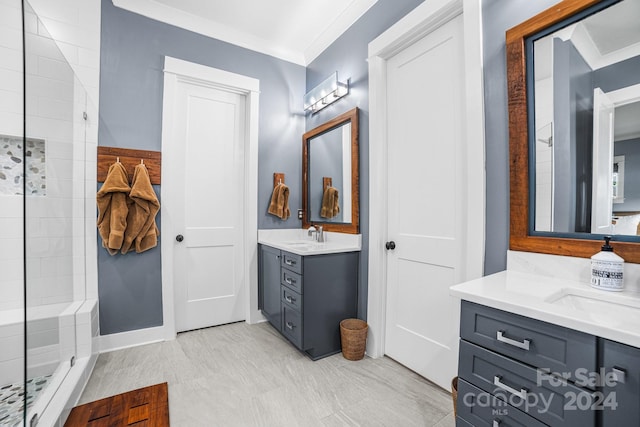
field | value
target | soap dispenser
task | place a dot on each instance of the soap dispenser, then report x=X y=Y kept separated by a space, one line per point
x=607 y=269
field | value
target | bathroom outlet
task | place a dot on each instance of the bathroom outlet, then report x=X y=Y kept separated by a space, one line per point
x=299 y=213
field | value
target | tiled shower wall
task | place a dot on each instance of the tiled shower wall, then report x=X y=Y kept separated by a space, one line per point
x=55 y=103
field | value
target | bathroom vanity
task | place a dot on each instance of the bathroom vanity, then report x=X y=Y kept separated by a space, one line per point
x=538 y=351
x=306 y=288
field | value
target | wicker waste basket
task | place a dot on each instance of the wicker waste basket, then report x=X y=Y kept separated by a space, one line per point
x=454 y=395
x=353 y=337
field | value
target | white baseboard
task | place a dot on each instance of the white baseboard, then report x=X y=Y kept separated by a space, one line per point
x=131 y=339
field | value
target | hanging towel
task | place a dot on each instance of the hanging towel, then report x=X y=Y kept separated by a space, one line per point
x=330 y=204
x=112 y=208
x=279 y=205
x=142 y=232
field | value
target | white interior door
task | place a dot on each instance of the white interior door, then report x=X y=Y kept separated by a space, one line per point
x=206 y=162
x=602 y=192
x=426 y=209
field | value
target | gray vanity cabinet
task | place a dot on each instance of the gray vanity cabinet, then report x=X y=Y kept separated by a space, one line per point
x=306 y=297
x=621 y=365
x=505 y=358
x=269 y=287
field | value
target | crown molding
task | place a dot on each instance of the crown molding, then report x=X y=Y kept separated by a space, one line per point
x=341 y=24
x=172 y=16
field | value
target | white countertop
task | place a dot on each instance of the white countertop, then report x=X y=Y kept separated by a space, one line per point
x=297 y=241
x=611 y=315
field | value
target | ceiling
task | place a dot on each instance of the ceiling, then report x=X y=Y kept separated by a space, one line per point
x=610 y=38
x=293 y=30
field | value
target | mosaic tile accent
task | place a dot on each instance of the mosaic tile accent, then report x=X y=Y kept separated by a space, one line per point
x=12 y=399
x=11 y=178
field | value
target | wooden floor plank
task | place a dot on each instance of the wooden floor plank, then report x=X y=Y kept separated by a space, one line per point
x=148 y=406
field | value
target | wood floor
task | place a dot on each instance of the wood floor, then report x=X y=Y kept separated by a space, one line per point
x=249 y=375
x=144 y=407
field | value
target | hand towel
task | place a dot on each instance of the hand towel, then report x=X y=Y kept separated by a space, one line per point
x=112 y=208
x=142 y=232
x=279 y=205
x=330 y=203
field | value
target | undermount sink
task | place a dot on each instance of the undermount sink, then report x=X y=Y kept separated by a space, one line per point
x=598 y=303
x=303 y=244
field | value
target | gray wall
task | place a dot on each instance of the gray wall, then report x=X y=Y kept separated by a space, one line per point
x=497 y=17
x=325 y=155
x=348 y=56
x=572 y=135
x=131 y=85
x=630 y=149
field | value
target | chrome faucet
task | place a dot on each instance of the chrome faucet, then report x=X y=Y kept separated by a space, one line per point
x=319 y=237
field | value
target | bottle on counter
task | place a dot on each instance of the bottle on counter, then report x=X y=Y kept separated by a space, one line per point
x=607 y=269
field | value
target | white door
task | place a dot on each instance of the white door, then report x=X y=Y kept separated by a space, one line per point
x=602 y=191
x=426 y=202
x=206 y=160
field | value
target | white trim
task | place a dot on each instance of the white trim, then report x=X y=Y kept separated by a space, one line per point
x=584 y=44
x=422 y=20
x=176 y=70
x=351 y=14
x=179 y=18
x=625 y=95
x=131 y=339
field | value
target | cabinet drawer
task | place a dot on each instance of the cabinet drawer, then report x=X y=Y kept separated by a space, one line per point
x=292 y=325
x=292 y=261
x=481 y=409
x=534 y=342
x=550 y=400
x=291 y=279
x=291 y=298
x=621 y=382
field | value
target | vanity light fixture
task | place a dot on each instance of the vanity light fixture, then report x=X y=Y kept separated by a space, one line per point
x=326 y=93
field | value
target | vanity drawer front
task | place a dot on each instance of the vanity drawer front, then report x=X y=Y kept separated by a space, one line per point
x=526 y=388
x=537 y=343
x=291 y=298
x=292 y=325
x=291 y=279
x=481 y=409
x=292 y=261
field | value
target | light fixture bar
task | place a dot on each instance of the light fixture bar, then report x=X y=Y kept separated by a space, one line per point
x=326 y=93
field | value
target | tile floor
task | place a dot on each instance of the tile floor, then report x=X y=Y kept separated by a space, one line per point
x=249 y=375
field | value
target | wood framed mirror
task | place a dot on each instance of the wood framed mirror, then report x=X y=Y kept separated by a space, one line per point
x=330 y=175
x=523 y=134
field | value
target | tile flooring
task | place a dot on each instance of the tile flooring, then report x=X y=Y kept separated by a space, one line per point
x=12 y=399
x=249 y=375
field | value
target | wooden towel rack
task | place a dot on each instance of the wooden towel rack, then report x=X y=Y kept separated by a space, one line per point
x=278 y=178
x=129 y=158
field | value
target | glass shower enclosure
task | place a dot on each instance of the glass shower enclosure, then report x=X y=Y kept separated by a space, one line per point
x=43 y=215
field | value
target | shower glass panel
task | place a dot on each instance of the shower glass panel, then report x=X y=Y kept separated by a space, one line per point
x=42 y=214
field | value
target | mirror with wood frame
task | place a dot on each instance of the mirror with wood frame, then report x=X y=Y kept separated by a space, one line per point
x=330 y=178
x=529 y=124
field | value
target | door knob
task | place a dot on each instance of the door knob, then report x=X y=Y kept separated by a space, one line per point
x=390 y=245
x=179 y=238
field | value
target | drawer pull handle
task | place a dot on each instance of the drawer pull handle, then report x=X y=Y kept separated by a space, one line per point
x=496 y=423
x=290 y=281
x=523 y=345
x=619 y=375
x=289 y=299
x=290 y=326
x=522 y=394
x=289 y=262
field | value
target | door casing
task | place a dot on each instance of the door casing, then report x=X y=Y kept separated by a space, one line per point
x=418 y=23
x=176 y=70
